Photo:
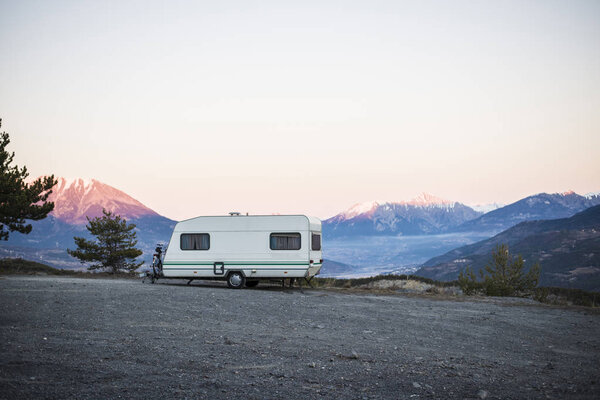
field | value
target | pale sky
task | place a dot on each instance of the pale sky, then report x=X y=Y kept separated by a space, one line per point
x=200 y=108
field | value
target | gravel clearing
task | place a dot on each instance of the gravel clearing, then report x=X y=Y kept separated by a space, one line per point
x=109 y=338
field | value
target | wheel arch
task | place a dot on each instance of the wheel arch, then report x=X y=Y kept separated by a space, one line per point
x=240 y=270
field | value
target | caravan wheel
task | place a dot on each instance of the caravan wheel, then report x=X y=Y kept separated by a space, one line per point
x=236 y=280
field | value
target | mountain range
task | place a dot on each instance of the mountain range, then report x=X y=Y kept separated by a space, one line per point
x=427 y=214
x=568 y=250
x=536 y=207
x=423 y=215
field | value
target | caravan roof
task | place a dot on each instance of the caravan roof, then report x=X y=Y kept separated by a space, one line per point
x=249 y=222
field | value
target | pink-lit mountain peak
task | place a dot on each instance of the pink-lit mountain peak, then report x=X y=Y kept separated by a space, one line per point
x=568 y=193
x=74 y=199
x=369 y=207
x=360 y=209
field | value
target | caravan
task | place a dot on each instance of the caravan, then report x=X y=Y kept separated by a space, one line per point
x=243 y=249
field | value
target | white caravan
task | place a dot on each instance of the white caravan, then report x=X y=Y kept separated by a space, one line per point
x=243 y=249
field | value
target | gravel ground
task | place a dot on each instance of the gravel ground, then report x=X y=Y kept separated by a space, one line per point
x=103 y=338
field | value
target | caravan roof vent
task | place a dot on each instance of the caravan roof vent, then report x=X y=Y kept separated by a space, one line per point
x=233 y=213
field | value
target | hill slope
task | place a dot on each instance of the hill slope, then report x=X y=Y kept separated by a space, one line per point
x=568 y=250
x=335 y=268
x=536 y=207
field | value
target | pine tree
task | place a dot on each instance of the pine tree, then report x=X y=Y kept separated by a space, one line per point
x=506 y=274
x=20 y=201
x=467 y=281
x=114 y=247
x=503 y=276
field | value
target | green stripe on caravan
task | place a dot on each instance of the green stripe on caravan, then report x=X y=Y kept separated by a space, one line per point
x=210 y=269
x=237 y=263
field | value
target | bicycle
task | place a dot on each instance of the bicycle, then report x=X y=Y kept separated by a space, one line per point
x=157 y=266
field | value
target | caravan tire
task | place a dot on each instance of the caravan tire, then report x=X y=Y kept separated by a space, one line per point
x=236 y=280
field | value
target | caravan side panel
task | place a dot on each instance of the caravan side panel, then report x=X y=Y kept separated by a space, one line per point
x=239 y=243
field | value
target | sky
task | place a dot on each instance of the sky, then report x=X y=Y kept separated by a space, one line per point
x=201 y=108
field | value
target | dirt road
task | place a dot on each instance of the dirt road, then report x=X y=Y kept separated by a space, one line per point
x=102 y=338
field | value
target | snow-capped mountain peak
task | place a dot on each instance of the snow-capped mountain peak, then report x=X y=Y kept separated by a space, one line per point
x=426 y=199
x=360 y=208
x=592 y=195
x=485 y=208
x=74 y=199
x=369 y=207
x=567 y=193
x=421 y=215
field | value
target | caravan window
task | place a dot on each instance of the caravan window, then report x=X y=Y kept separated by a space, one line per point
x=285 y=241
x=316 y=242
x=195 y=241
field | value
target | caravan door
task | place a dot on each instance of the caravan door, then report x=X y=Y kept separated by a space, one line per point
x=316 y=256
x=219 y=268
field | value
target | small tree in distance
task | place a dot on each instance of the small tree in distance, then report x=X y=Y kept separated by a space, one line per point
x=504 y=276
x=114 y=248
